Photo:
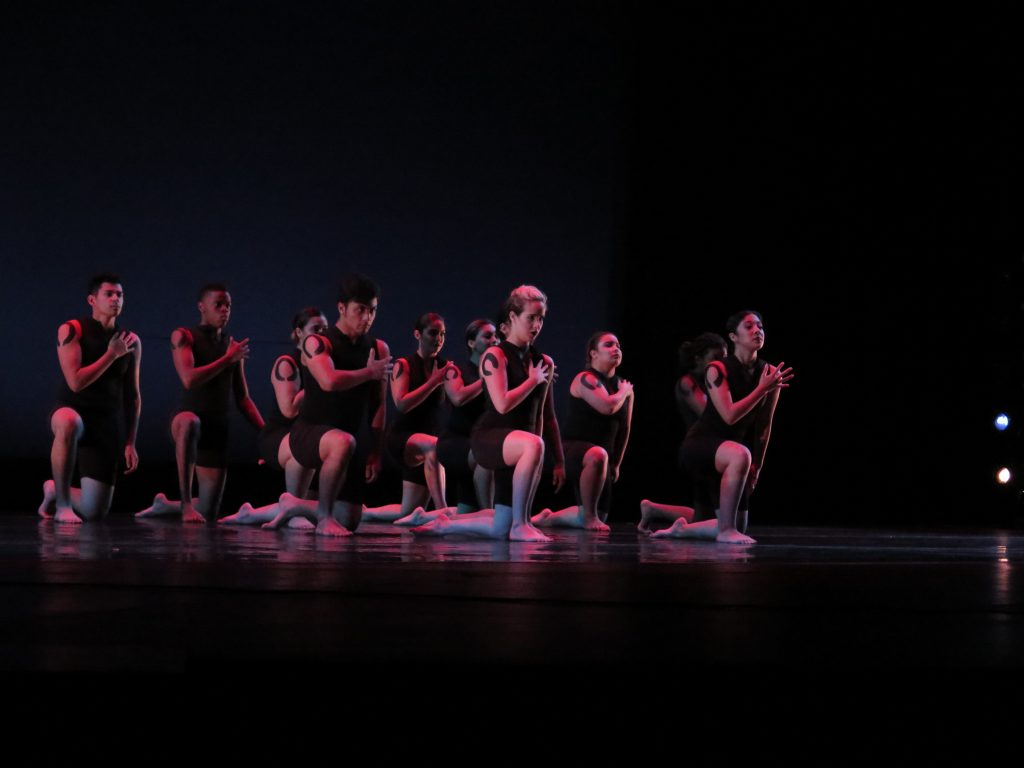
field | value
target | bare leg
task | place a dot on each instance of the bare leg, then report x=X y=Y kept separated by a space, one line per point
x=211 y=492
x=49 y=503
x=524 y=451
x=485 y=523
x=185 y=430
x=483 y=481
x=387 y=513
x=67 y=429
x=733 y=461
x=592 y=480
x=95 y=499
x=651 y=511
x=421 y=448
x=297 y=480
x=336 y=449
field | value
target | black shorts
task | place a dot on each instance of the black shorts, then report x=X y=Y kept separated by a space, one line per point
x=269 y=443
x=697 y=457
x=212 y=448
x=305 y=444
x=395 y=444
x=101 y=446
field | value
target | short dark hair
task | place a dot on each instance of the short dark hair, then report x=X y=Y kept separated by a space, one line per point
x=303 y=316
x=474 y=328
x=211 y=288
x=691 y=351
x=426 y=320
x=97 y=281
x=357 y=287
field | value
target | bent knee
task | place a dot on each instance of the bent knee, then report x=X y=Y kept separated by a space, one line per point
x=596 y=457
x=66 y=422
x=186 y=421
x=337 y=442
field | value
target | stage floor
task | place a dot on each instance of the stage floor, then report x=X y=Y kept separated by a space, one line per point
x=163 y=597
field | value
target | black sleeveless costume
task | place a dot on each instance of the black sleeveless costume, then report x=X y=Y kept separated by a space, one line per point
x=697 y=453
x=685 y=412
x=277 y=424
x=347 y=410
x=424 y=418
x=586 y=428
x=210 y=401
x=453 y=445
x=100 y=405
x=491 y=429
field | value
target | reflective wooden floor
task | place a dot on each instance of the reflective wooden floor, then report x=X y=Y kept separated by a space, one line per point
x=595 y=626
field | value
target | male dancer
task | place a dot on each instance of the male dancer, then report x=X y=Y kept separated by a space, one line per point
x=98 y=398
x=211 y=368
x=348 y=375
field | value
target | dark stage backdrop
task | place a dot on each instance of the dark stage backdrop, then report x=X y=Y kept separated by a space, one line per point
x=849 y=175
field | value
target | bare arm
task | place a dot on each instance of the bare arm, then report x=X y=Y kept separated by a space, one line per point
x=378 y=416
x=287 y=386
x=405 y=400
x=494 y=372
x=592 y=390
x=721 y=397
x=242 y=399
x=132 y=408
x=456 y=388
x=185 y=361
x=550 y=430
x=69 y=355
x=762 y=433
x=316 y=350
x=690 y=395
x=622 y=438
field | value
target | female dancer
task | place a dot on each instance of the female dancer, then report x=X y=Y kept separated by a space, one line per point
x=596 y=433
x=507 y=437
x=691 y=399
x=416 y=388
x=464 y=388
x=730 y=438
x=288 y=379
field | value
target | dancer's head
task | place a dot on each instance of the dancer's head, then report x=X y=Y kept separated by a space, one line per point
x=307 y=321
x=524 y=312
x=429 y=332
x=746 y=330
x=604 y=351
x=358 y=296
x=480 y=334
x=695 y=355
x=214 y=305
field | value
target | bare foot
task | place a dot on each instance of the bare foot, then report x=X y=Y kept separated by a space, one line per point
x=541 y=517
x=526 y=533
x=733 y=537
x=49 y=497
x=595 y=525
x=645 y=516
x=674 y=531
x=162 y=506
x=300 y=524
x=436 y=527
x=67 y=515
x=331 y=527
x=242 y=517
x=189 y=515
x=418 y=516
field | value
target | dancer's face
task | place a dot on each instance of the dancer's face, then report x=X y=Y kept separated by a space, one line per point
x=316 y=324
x=607 y=353
x=215 y=308
x=527 y=325
x=485 y=338
x=108 y=299
x=749 y=333
x=357 y=316
x=431 y=339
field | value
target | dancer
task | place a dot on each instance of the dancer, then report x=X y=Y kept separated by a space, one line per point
x=98 y=406
x=417 y=389
x=506 y=438
x=464 y=389
x=288 y=379
x=596 y=434
x=211 y=366
x=691 y=399
x=348 y=371
x=726 y=446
